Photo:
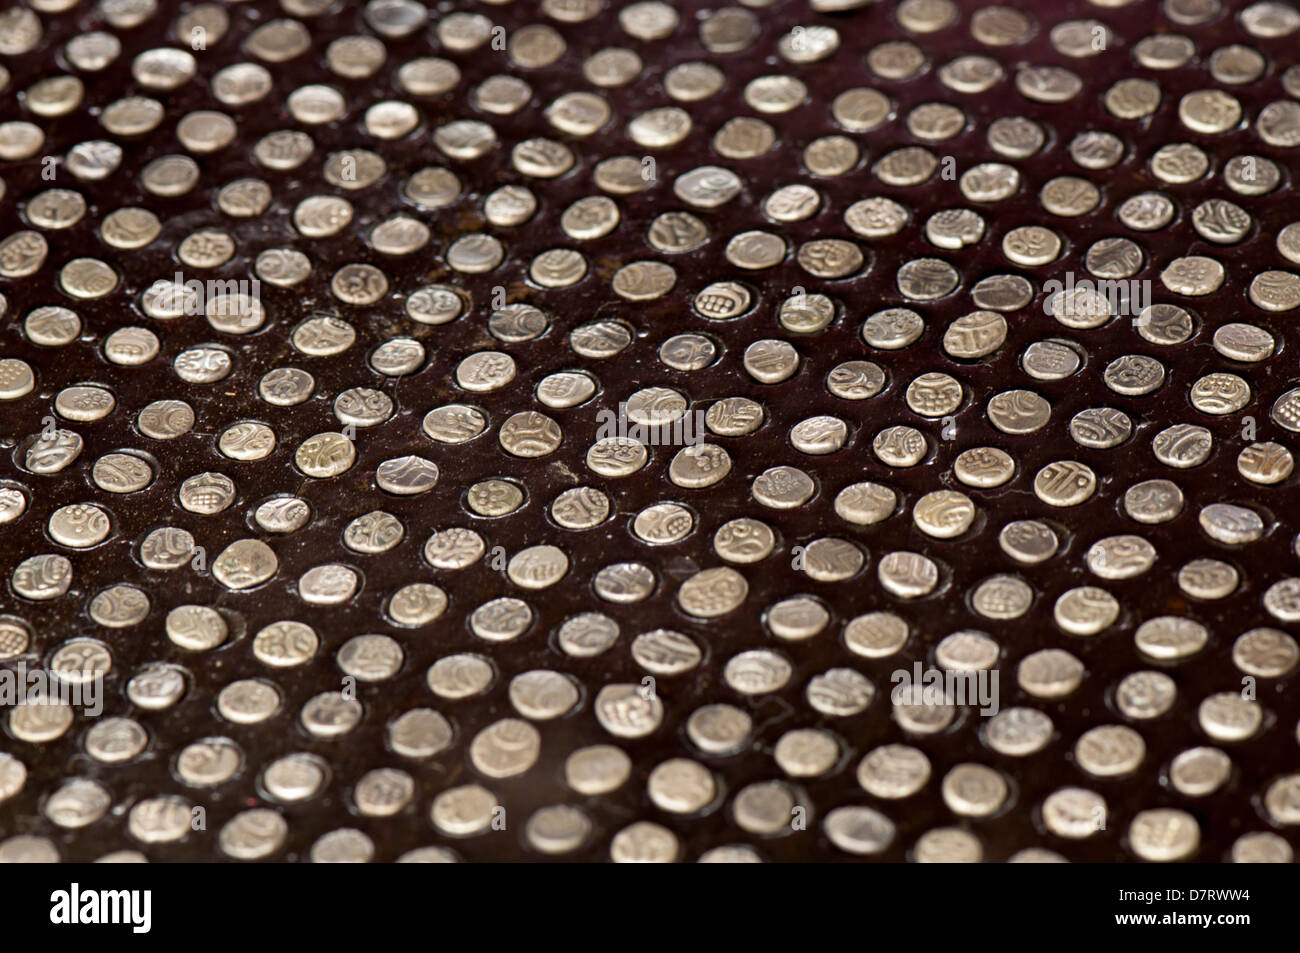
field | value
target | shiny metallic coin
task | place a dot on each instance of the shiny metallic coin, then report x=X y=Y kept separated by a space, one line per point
x=1281 y=799
x=157 y=687
x=373 y=532
x=328 y=585
x=900 y=446
x=196 y=628
x=46 y=327
x=370 y=658
x=1226 y=716
x=79 y=525
x=166 y=419
x=1134 y=375
x=15 y=638
x=1153 y=501
x=1018 y=732
x=1261 y=847
x=208 y=762
x=973 y=790
x=681 y=786
x=1170 y=637
x=253 y=834
x=1146 y=212
x=159 y=820
x=1028 y=541
x=282 y=514
x=876 y=217
x=419 y=733
x=203 y=365
x=967 y=651
x=907 y=575
x=52 y=452
x=1001 y=597
x=1050 y=673
x=1109 y=751
x=1074 y=813
x=131 y=346
x=587 y=635
x=1086 y=610
x=1197 y=772
x=1231 y=524
x=598 y=769
x=1276 y=290
x=285 y=644
x=1163 y=834
x=248 y=701
x=1208 y=579
x=115 y=740
x=1120 y=557
x=206 y=493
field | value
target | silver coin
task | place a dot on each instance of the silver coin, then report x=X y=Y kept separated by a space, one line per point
x=166 y=419
x=1170 y=637
x=580 y=508
x=495 y=498
x=197 y=628
x=294 y=778
x=159 y=820
x=907 y=575
x=1281 y=799
x=203 y=493
x=1120 y=557
x=1086 y=610
x=1050 y=673
x=1163 y=834
x=52 y=452
x=47 y=327
x=1261 y=847
x=460 y=676
x=325 y=455
x=1050 y=360
x=506 y=748
x=406 y=476
x=370 y=658
x=248 y=701
x=1018 y=732
x=202 y=365
x=1146 y=212
x=454 y=423
x=1231 y=524
x=501 y=620
x=1153 y=501
x=42 y=577
x=253 y=834
x=893 y=771
x=119 y=607
x=282 y=514
x=1208 y=579
x=285 y=644
x=419 y=733
x=417 y=604
x=373 y=532
x=587 y=635
x=157 y=687
x=1265 y=653
x=208 y=762
x=330 y=584
x=973 y=790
